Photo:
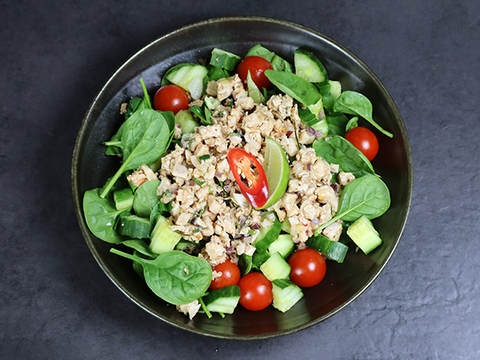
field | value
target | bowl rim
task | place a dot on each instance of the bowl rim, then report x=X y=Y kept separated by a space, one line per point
x=81 y=134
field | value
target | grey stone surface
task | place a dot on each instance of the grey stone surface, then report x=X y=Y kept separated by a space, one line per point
x=56 y=303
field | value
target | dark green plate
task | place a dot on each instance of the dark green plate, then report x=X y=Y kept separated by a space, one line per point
x=343 y=282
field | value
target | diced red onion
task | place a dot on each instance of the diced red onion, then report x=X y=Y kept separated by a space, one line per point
x=229 y=249
x=179 y=126
x=256 y=226
x=315 y=221
x=318 y=133
x=309 y=167
x=227 y=187
x=334 y=186
x=289 y=132
x=311 y=130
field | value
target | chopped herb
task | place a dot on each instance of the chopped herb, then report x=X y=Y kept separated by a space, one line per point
x=190 y=143
x=197 y=230
x=204 y=157
x=296 y=136
x=230 y=103
x=199 y=182
x=204 y=308
x=220 y=113
x=167 y=193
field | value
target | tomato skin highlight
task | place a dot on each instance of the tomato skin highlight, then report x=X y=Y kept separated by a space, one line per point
x=255 y=291
x=253 y=184
x=308 y=267
x=171 y=98
x=230 y=275
x=364 y=140
x=257 y=66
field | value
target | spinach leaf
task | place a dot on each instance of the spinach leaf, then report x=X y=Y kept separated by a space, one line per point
x=336 y=123
x=259 y=50
x=338 y=150
x=140 y=246
x=101 y=216
x=146 y=135
x=203 y=112
x=354 y=103
x=160 y=209
x=367 y=196
x=352 y=123
x=327 y=96
x=146 y=198
x=174 y=276
x=293 y=85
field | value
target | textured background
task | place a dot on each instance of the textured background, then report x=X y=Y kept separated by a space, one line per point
x=55 y=301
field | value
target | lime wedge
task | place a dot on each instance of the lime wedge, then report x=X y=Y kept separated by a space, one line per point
x=277 y=171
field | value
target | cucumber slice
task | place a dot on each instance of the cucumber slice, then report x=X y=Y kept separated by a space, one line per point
x=275 y=267
x=334 y=250
x=253 y=90
x=223 y=300
x=224 y=59
x=123 y=199
x=268 y=234
x=189 y=77
x=335 y=89
x=163 y=238
x=285 y=294
x=286 y=226
x=284 y=245
x=309 y=67
x=184 y=118
x=364 y=234
x=134 y=226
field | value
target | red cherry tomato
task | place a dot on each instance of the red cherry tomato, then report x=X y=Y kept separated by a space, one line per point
x=255 y=291
x=230 y=275
x=171 y=98
x=364 y=140
x=249 y=175
x=308 y=267
x=257 y=66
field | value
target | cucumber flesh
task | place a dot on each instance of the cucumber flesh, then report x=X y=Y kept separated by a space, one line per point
x=285 y=294
x=275 y=267
x=284 y=245
x=163 y=238
x=184 y=118
x=134 y=226
x=253 y=90
x=224 y=59
x=364 y=234
x=223 y=300
x=309 y=67
x=189 y=77
x=267 y=234
x=123 y=199
x=334 y=250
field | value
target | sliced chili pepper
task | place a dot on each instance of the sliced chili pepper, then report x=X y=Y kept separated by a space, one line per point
x=249 y=175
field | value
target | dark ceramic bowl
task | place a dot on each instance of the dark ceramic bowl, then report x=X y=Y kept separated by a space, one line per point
x=343 y=282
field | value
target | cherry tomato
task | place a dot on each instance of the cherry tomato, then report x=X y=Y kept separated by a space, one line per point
x=249 y=175
x=230 y=275
x=255 y=291
x=171 y=98
x=257 y=66
x=364 y=140
x=308 y=267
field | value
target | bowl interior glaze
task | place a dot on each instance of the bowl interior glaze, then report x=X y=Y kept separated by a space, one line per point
x=343 y=282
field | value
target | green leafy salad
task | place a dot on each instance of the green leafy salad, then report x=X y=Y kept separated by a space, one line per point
x=237 y=179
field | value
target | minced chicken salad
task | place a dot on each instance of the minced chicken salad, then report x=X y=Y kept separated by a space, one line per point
x=186 y=200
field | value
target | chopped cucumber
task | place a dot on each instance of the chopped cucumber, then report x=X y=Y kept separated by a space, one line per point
x=268 y=234
x=284 y=245
x=309 y=67
x=286 y=226
x=364 y=234
x=134 y=226
x=330 y=92
x=334 y=250
x=275 y=267
x=184 y=118
x=211 y=102
x=123 y=199
x=163 y=238
x=285 y=294
x=335 y=88
x=189 y=77
x=224 y=59
x=223 y=300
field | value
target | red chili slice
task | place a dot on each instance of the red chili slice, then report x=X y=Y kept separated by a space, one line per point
x=249 y=175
